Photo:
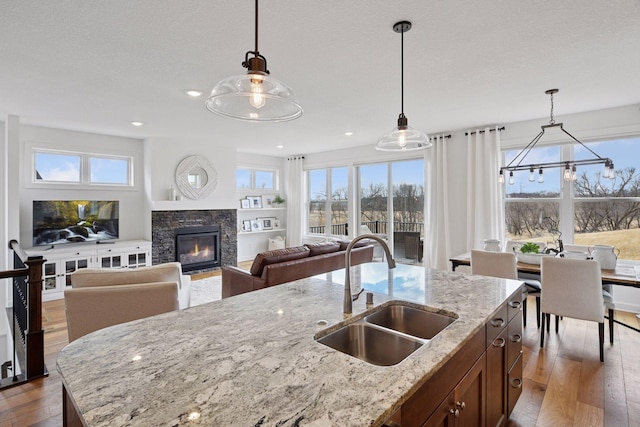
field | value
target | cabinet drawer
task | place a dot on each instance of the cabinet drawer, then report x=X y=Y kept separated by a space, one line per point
x=514 y=339
x=496 y=324
x=514 y=305
x=514 y=384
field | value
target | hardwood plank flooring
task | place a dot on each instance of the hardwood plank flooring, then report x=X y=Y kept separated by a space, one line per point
x=564 y=383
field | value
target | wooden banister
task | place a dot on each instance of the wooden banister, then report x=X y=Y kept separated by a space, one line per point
x=31 y=304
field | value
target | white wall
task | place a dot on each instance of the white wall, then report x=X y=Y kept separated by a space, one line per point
x=162 y=156
x=132 y=203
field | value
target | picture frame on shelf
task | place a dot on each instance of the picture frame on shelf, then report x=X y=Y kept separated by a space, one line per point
x=256 y=225
x=245 y=204
x=255 y=202
x=267 y=201
x=246 y=225
x=267 y=223
x=276 y=223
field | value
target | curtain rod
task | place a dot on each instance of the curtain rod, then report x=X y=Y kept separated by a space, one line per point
x=295 y=157
x=481 y=131
x=445 y=137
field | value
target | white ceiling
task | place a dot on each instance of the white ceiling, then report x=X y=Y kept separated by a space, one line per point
x=96 y=66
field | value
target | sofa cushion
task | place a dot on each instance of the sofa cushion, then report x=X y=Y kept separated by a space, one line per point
x=322 y=248
x=279 y=255
x=359 y=243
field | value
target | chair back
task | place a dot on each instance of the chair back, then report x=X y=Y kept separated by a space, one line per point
x=572 y=288
x=495 y=264
x=92 y=308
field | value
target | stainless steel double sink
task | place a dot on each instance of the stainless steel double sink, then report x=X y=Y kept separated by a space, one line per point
x=389 y=334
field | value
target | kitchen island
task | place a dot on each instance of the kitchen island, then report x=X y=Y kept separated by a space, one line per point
x=251 y=360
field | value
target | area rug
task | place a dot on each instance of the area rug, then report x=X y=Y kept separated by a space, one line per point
x=206 y=290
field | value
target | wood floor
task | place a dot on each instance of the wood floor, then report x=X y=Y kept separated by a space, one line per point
x=564 y=384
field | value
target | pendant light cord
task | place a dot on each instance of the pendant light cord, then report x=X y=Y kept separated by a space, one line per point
x=401 y=73
x=256 y=36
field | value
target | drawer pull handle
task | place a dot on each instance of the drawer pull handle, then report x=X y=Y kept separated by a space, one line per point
x=516 y=338
x=461 y=405
x=515 y=304
x=455 y=413
x=516 y=383
x=500 y=342
x=497 y=323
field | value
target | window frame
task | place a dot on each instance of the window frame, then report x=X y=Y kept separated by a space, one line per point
x=85 y=169
x=252 y=179
x=328 y=201
x=567 y=198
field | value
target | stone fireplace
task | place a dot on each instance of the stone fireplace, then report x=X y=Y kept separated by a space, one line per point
x=167 y=226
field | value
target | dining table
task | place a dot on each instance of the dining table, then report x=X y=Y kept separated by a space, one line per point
x=626 y=273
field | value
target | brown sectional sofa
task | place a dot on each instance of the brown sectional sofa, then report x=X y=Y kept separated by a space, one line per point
x=284 y=265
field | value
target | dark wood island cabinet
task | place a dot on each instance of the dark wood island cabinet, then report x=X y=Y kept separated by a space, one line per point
x=480 y=384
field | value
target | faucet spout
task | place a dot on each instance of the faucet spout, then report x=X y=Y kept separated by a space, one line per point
x=348 y=306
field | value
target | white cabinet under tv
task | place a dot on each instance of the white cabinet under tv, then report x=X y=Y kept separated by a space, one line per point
x=62 y=260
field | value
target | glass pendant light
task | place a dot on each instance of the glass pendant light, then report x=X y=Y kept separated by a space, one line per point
x=255 y=96
x=403 y=137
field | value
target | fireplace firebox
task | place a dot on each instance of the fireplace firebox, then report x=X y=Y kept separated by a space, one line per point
x=198 y=248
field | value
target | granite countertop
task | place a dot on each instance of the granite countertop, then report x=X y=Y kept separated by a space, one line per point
x=252 y=360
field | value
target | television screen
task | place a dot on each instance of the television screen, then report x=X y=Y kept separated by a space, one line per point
x=70 y=221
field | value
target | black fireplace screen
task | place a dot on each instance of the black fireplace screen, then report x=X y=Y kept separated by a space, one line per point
x=198 y=248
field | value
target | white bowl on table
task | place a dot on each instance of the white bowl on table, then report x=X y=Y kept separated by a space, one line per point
x=530 y=258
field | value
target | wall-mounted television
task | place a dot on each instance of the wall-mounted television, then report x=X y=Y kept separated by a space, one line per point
x=71 y=221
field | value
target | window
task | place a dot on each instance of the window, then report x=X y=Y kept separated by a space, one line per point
x=591 y=210
x=81 y=168
x=110 y=170
x=328 y=192
x=405 y=201
x=55 y=167
x=256 y=179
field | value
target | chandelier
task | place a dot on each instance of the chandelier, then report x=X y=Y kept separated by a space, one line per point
x=254 y=96
x=518 y=163
x=403 y=137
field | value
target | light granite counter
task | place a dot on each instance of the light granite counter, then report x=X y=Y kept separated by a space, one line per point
x=251 y=360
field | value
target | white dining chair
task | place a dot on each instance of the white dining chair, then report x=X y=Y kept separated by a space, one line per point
x=572 y=288
x=498 y=264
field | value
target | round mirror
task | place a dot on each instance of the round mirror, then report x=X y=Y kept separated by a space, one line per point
x=196 y=177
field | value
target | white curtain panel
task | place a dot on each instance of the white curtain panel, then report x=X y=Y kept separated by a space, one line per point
x=293 y=179
x=485 y=217
x=436 y=236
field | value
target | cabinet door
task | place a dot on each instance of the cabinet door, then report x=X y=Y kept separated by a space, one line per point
x=470 y=397
x=50 y=277
x=496 y=381
x=444 y=416
x=71 y=265
x=514 y=384
x=111 y=260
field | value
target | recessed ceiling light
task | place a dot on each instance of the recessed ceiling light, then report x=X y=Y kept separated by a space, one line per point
x=194 y=93
x=137 y=123
x=279 y=146
x=348 y=133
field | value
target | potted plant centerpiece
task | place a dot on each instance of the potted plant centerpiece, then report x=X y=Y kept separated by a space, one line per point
x=277 y=201
x=531 y=253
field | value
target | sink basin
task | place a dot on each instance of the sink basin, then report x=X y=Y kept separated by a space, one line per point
x=371 y=344
x=409 y=320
